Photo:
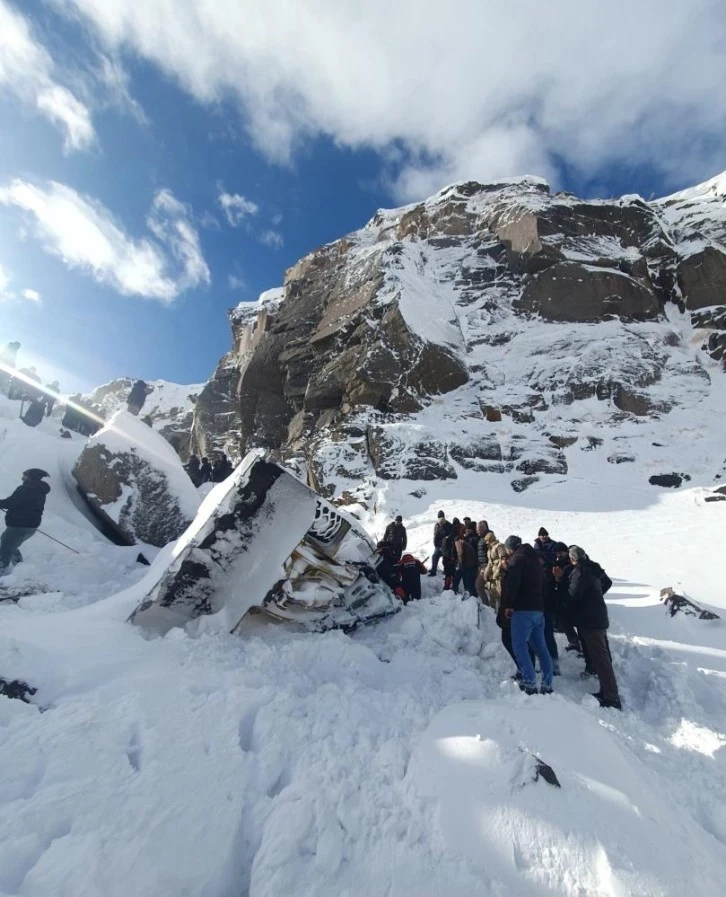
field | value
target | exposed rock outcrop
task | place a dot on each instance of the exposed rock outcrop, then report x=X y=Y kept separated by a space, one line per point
x=135 y=484
x=503 y=307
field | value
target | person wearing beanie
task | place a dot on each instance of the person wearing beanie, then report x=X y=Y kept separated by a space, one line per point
x=396 y=534
x=561 y=570
x=545 y=547
x=24 y=511
x=523 y=603
x=586 y=586
x=442 y=528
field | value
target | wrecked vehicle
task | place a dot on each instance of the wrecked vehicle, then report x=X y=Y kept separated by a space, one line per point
x=265 y=542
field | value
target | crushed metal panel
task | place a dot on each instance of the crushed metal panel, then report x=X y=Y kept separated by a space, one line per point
x=268 y=541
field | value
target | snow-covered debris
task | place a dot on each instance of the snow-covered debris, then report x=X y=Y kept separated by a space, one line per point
x=134 y=482
x=262 y=539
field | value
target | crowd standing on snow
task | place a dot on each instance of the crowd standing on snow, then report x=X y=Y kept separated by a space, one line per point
x=535 y=590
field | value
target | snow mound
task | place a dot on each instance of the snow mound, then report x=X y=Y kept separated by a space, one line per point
x=602 y=832
x=134 y=481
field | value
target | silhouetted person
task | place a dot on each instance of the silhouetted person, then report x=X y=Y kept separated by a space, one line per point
x=193 y=468
x=24 y=511
x=221 y=468
x=137 y=396
x=205 y=471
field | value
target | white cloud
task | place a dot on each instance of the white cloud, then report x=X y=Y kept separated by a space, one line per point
x=26 y=69
x=9 y=295
x=114 y=78
x=236 y=282
x=465 y=89
x=271 y=238
x=235 y=207
x=84 y=234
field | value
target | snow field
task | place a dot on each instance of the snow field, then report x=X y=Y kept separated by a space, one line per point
x=386 y=762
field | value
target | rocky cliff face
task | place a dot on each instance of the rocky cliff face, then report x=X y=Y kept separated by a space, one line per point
x=484 y=329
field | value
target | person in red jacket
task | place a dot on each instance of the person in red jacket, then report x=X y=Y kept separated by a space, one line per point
x=410 y=571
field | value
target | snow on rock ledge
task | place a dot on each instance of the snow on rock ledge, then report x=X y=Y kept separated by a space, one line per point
x=134 y=482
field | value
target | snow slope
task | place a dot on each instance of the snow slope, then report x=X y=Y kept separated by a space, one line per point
x=387 y=762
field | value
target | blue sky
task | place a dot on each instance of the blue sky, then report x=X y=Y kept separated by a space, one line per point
x=161 y=162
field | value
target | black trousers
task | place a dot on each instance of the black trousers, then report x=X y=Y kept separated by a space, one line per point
x=595 y=642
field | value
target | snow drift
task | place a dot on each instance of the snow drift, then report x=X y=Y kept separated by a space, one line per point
x=134 y=482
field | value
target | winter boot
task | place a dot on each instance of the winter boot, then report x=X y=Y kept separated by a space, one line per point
x=546 y=690
x=556 y=668
x=528 y=689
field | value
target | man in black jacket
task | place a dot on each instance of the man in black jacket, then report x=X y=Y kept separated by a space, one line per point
x=396 y=534
x=24 y=512
x=442 y=528
x=523 y=603
x=590 y=615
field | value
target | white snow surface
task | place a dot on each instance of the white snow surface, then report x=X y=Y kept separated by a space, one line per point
x=164 y=403
x=124 y=432
x=393 y=761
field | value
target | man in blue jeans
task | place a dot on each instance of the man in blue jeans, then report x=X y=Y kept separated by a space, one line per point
x=523 y=600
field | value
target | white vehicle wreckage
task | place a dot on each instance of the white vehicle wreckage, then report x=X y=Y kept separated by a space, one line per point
x=264 y=542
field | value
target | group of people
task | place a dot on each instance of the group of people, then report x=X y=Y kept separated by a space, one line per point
x=203 y=471
x=535 y=590
x=17 y=384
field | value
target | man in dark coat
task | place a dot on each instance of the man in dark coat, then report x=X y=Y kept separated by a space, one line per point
x=590 y=615
x=386 y=566
x=544 y=546
x=441 y=529
x=24 y=511
x=523 y=603
x=561 y=570
x=410 y=570
x=137 y=396
x=550 y=613
x=193 y=469
x=221 y=468
x=396 y=535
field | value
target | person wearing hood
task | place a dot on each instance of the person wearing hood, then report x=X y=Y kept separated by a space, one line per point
x=523 y=603
x=24 y=511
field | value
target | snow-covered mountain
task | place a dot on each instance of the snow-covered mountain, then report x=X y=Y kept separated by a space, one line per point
x=498 y=328
x=169 y=405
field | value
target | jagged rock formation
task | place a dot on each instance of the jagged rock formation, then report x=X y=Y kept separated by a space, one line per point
x=134 y=483
x=476 y=331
